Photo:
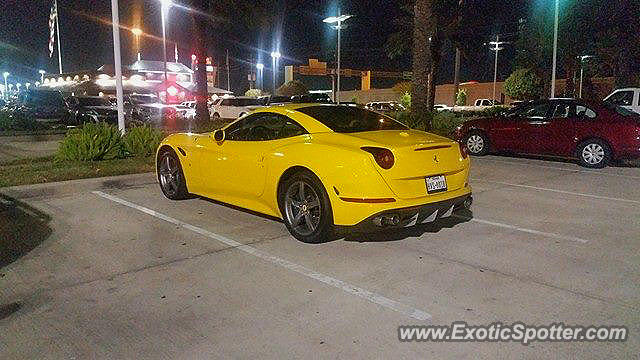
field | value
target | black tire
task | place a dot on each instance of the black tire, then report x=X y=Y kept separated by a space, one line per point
x=594 y=153
x=477 y=143
x=170 y=176
x=315 y=220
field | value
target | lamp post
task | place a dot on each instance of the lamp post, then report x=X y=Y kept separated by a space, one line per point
x=6 y=88
x=137 y=32
x=42 y=72
x=166 y=4
x=18 y=85
x=275 y=55
x=339 y=20
x=260 y=67
x=582 y=59
x=496 y=47
x=555 y=51
x=27 y=85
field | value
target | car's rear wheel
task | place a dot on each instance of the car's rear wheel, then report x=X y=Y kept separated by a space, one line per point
x=477 y=143
x=306 y=208
x=170 y=176
x=594 y=153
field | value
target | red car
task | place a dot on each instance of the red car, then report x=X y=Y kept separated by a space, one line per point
x=593 y=133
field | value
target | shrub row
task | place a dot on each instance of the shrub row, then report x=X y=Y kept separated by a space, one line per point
x=10 y=121
x=101 y=141
x=442 y=123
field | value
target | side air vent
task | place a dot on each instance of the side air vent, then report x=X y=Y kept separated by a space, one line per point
x=182 y=152
x=434 y=147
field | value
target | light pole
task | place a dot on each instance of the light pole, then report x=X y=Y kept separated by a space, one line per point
x=582 y=59
x=18 y=85
x=339 y=20
x=42 y=72
x=260 y=67
x=27 y=85
x=496 y=47
x=137 y=32
x=275 y=55
x=117 y=64
x=555 y=50
x=6 y=88
x=166 y=4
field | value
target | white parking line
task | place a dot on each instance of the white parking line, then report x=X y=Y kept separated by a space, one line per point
x=559 y=191
x=592 y=172
x=346 y=287
x=530 y=231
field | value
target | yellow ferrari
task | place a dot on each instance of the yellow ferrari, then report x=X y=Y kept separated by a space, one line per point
x=320 y=167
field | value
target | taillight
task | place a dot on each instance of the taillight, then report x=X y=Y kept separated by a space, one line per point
x=463 y=150
x=384 y=157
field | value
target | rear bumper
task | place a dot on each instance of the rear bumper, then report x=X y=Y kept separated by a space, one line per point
x=414 y=215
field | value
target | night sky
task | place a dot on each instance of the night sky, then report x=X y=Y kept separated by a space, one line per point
x=87 y=38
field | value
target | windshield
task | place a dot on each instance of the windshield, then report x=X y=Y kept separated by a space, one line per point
x=90 y=101
x=349 y=119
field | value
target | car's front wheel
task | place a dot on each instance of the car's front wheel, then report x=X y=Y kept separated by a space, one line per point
x=306 y=208
x=170 y=176
x=594 y=153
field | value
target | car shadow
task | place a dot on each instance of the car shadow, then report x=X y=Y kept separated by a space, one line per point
x=397 y=234
x=632 y=163
x=22 y=229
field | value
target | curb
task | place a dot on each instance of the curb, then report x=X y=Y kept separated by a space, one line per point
x=71 y=187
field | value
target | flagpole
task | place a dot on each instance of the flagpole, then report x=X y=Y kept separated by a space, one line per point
x=58 y=34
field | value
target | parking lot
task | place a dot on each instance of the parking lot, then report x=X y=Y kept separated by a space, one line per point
x=113 y=269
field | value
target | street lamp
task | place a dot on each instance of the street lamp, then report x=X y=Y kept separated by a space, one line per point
x=42 y=72
x=331 y=20
x=260 y=67
x=137 y=32
x=275 y=55
x=18 y=85
x=496 y=47
x=166 y=4
x=27 y=85
x=582 y=59
x=6 y=91
x=555 y=51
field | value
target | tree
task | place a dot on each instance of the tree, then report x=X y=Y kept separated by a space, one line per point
x=523 y=84
x=461 y=97
x=292 y=88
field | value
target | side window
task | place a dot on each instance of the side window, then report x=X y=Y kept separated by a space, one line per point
x=583 y=111
x=264 y=127
x=538 y=111
x=622 y=98
x=561 y=110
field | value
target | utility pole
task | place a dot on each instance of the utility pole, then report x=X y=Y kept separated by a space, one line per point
x=58 y=35
x=117 y=63
x=496 y=47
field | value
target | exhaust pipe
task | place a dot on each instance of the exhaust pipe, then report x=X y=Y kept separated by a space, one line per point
x=386 y=220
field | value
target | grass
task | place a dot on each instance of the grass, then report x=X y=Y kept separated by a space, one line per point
x=43 y=170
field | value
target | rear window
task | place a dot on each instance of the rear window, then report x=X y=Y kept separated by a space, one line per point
x=349 y=119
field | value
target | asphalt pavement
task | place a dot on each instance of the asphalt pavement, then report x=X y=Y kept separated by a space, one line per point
x=109 y=268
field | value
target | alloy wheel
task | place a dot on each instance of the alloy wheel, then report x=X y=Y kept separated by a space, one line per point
x=302 y=208
x=169 y=174
x=475 y=143
x=593 y=154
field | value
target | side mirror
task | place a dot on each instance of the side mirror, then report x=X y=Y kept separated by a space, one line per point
x=219 y=135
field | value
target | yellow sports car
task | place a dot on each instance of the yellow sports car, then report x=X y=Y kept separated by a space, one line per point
x=319 y=167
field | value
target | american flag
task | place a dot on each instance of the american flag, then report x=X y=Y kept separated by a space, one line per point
x=52 y=27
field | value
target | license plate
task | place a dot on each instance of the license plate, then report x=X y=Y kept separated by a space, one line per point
x=436 y=184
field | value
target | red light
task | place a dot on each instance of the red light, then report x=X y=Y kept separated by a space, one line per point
x=463 y=150
x=384 y=157
x=193 y=57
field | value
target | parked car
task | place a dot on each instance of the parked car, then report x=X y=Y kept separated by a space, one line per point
x=628 y=98
x=92 y=109
x=47 y=106
x=321 y=166
x=234 y=107
x=384 y=107
x=479 y=105
x=190 y=107
x=277 y=99
x=593 y=133
x=320 y=98
x=441 y=107
x=161 y=115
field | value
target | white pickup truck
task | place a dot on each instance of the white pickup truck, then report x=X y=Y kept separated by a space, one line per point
x=478 y=105
x=628 y=98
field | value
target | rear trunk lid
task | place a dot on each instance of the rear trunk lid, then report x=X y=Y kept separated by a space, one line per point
x=418 y=155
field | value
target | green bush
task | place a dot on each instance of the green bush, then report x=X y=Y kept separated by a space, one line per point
x=292 y=88
x=443 y=123
x=142 y=141
x=405 y=100
x=18 y=122
x=253 y=93
x=461 y=97
x=523 y=84
x=493 y=111
x=91 y=142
